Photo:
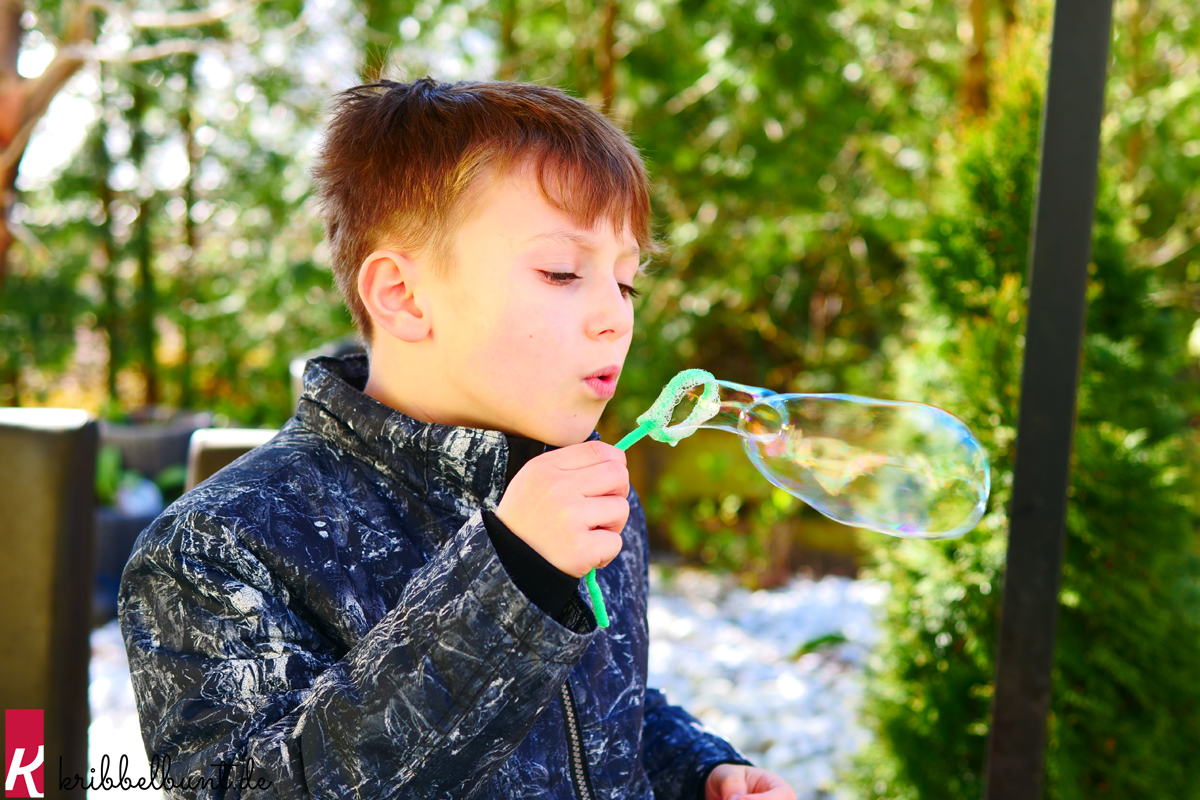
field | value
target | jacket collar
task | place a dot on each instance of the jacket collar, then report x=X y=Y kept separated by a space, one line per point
x=454 y=467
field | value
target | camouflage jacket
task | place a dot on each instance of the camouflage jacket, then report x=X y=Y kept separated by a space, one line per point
x=327 y=617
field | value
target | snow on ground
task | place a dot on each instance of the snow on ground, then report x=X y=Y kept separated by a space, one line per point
x=723 y=653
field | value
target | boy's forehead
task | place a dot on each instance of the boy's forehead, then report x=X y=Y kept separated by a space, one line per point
x=578 y=237
x=520 y=205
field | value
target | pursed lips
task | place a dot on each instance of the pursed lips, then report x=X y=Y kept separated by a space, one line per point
x=607 y=373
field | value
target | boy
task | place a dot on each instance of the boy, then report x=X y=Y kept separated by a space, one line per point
x=383 y=601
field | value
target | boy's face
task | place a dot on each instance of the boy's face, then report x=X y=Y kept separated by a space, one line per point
x=511 y=346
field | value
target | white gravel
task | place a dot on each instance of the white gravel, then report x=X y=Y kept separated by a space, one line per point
x=718 y=650
x=725 y=654
x=114 y=728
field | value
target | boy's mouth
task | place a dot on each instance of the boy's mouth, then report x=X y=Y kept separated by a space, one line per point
x=606 y=373
x=604 y=381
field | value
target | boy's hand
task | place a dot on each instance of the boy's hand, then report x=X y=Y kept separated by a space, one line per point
x=739 y=782
x=570 y=505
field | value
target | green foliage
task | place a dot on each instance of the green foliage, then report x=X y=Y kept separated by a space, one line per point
x=108 y=474
x=794 y=152
x=170 y=481
x=39 y=310
x=820 y=643
x=715 y=507
x=762 y=146
x=1126 y=705
x=1125 y=714
x=206 y=284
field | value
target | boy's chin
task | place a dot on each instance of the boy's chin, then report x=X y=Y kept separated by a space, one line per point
x=574 y=432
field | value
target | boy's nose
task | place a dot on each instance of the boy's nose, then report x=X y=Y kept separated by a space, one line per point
x=614 y=318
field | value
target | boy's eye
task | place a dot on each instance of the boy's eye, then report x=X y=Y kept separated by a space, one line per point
x=563 y=278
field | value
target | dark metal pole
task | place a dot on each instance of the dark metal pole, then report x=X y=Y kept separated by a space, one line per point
x=1060 y=250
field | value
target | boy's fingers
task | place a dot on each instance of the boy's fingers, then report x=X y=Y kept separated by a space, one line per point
x=604 y=546
x=769 y=786
x=750 y=783
x=611 y=479
x=732 y=788
x=598 y=479
x=778 y=793
x=608 y=512
x=580 y=456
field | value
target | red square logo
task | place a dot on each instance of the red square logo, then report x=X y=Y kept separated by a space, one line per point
x=24 y=751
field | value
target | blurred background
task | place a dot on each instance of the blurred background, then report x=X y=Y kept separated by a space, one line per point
x=846 y=188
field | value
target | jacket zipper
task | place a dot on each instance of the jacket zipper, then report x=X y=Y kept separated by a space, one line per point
x=575 y=753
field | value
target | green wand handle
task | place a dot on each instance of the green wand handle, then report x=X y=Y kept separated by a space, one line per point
x=655 y=422
x=592 y=586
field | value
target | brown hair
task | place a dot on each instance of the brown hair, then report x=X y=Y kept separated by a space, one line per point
x=403 y=162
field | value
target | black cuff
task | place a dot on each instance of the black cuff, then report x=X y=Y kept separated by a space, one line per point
x=548 y=587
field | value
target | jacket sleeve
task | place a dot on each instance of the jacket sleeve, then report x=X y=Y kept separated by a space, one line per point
x=429 y=703
x=546 y=585
x=679 y=750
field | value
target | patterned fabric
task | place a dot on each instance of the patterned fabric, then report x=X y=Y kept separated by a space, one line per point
x=327 y=615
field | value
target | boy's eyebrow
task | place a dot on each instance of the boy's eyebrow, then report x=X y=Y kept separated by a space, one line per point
x=564 y=235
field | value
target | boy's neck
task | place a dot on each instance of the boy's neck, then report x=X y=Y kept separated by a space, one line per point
x=391 y=376
x=380 y=388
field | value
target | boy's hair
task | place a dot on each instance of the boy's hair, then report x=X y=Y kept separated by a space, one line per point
x=403 y=162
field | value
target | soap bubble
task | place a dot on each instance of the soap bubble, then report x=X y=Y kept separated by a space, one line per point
x=900 y=468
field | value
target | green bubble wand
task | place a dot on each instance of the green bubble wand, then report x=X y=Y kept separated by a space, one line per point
x=655 y=422
x=901 y=468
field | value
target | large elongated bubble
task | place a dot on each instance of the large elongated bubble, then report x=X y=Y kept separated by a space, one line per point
x=901 y=468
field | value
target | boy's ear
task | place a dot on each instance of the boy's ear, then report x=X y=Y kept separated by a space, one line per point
x=386 y=284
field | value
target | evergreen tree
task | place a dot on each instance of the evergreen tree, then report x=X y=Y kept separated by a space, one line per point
x=1125 y=716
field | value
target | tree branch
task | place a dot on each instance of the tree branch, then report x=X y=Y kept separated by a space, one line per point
x=135 y=55
x=10 y=35
x=168 y=19
x=38 y=93
x=77 y=48
x=41 y=90
x=183 y=19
